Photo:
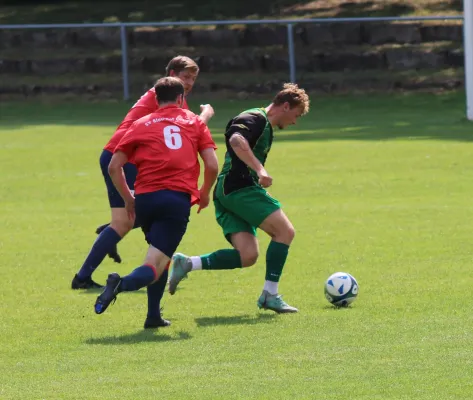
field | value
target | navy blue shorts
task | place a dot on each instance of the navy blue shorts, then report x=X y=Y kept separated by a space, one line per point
x=163 y=217
x=130 y=170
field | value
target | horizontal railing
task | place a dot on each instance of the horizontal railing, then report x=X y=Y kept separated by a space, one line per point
x=288 y=22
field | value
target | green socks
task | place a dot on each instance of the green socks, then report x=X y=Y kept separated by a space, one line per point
x=221 y=259
x=275 y=260
x=230 y=259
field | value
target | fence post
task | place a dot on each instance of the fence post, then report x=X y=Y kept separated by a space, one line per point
x=468 y=40
x=124 y=43
x=292 y=58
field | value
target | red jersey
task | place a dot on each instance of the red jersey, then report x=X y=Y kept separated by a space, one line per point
x=164 y=146
x=146 y=105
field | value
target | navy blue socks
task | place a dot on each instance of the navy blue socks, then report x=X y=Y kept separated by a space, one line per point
x=102 y=245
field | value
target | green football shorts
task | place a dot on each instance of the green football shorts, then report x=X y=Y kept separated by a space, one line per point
x=243 y=210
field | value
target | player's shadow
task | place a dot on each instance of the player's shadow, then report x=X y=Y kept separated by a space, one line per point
x=145 y=335
x=96 y=292
x=235 y=320
x=335 y=308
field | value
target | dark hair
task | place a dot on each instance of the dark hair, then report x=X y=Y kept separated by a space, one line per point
x=167 y=89
x=181 y=63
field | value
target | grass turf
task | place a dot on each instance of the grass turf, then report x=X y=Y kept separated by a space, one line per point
x=378 y=186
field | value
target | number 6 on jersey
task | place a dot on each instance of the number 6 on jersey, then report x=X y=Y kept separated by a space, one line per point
x=172 y=138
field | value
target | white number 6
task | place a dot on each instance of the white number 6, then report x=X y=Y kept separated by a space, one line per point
x=172 y=138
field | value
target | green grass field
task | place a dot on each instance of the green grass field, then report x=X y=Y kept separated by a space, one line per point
x=377 y=186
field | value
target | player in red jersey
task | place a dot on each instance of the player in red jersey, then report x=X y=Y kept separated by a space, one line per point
x=186 y=70
x=164 y=146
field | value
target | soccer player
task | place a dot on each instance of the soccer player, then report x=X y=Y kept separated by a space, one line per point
x=165 y=147
x=186 y=70
x=241 y=202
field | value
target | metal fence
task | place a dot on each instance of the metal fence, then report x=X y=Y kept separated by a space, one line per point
x=288 y=22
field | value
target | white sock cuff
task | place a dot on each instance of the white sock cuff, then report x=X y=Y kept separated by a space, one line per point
x=271 y=287
x=196 y=262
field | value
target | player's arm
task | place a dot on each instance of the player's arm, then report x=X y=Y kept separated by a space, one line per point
x=121 y=155
x=115 y=170
x=206 y=112
x=209 y=157
x=210 y=160
x=243 y=151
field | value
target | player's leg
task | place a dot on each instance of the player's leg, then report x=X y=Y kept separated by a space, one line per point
x=154 y=318
x=173 y=224
x=99 y=229
x=244 y=253
x=281 y=230
x=165 y=215
x=151 y=269
x=258 y=208
x=130 y=176
x=109 y=237
x=113 y=254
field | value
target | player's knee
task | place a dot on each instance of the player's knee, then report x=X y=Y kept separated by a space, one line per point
x=122 y=227
x=249 y=257
x=285 y=235
x=291 y=233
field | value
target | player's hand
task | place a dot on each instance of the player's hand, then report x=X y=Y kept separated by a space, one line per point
x=206 y=112
x=264 y=179
x=204 y=201
x=130 y=208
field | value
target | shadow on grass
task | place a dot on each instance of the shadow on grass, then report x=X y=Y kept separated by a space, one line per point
x=235 y=320
x=342 y=118
x=373 y=133
x=96 y=292
x=335 y=308
x=460 y=132
x=145 y=335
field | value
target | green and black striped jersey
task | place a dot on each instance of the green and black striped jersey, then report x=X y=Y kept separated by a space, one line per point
x=254 y=126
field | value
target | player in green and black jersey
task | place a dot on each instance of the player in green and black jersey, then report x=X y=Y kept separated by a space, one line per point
x=242 y=203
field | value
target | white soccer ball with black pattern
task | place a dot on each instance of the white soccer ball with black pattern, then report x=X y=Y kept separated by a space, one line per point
x=341 y=289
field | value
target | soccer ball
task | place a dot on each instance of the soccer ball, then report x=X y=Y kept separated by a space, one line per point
x=341 y=289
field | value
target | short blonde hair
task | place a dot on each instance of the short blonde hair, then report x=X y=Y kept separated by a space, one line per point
x=294 y=95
